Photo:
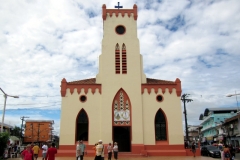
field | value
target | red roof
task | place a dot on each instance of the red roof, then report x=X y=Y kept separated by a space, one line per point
x=149 y=81
x=84 y=81
x=158 y=81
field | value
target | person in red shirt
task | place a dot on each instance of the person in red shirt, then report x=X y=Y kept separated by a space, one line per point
x=51 y=152
x=27 y=154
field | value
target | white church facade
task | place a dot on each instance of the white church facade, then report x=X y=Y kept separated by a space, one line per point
x=121 y=104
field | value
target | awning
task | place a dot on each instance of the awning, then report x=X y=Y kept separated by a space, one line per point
x=209 y=138
x=14 y=138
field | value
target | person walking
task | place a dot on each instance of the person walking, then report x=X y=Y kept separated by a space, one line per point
x=193 y=148
x=51 y=152
x=222 y=154
x=36 y=150
x=115 y=151
x=99 y=150
x=82 y=147
x=27 y=154
x=227 y=153
x=78 y=151
x=232 y=152
x=44 y=151
x=109 y=149
x=95 y=150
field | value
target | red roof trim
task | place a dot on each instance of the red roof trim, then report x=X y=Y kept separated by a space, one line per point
x=161 y=84
x=119 y=11
x=81 y=84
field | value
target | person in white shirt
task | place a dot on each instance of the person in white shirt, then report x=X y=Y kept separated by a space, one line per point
x=115 y=150
x=82 y=147
x=109 y=149
x=78 y=151
x=44 y=152
x=100 y=151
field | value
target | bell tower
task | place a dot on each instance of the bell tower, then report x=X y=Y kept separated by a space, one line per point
x=120 y=58
x=121 y=68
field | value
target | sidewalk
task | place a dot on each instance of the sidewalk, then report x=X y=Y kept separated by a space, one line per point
x=142 y=158
x=139 y=158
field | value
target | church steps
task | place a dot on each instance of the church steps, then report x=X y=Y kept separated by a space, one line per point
x=146 y=153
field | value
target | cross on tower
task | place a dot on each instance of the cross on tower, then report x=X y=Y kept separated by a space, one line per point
x=118 y=6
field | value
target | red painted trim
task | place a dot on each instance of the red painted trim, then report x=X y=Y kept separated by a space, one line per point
x=104 y=13
x=119 y=11
x=124 y=59
x=178 y=88
x=130 y=107
x=137 y=150
x=135 y=11
x=170 y=87
x=65 y=85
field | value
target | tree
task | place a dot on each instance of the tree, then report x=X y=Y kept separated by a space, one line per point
x=4 y=138
x=16 y=131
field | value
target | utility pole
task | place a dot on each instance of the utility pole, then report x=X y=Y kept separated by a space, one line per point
x=39 y=131
x=22 y=118
x=185 y=99
x=4 y=107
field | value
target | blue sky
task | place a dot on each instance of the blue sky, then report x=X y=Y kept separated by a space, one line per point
x=43 y=41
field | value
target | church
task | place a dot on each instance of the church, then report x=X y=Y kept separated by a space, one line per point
x=143 y=115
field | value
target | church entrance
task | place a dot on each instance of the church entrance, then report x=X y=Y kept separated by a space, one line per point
x=121 y=135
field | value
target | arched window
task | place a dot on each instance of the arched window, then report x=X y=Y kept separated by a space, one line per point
x=82 y=126
x=117 y=59
x=121 y=109
x=160 y=126
x=124 y=59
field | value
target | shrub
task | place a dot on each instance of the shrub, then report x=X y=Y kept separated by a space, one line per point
x=4 y=138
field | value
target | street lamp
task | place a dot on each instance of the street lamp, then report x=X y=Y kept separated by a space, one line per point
x=230 y=95
x=4 y=107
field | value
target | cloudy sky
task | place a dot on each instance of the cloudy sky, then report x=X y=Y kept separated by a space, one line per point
x=43 y=41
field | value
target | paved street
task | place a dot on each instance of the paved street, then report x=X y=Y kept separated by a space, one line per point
x=141 y=158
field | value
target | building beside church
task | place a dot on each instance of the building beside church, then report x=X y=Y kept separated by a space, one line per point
x=121 y=104
x=212 y=118
x=38 y=131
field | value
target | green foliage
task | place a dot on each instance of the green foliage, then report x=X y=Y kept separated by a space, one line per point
x=16 y=131
x=4 y=138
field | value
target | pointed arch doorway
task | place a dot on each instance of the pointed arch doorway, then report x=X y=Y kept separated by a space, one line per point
x=82 y=126
x=160 y=126
x=122 y=121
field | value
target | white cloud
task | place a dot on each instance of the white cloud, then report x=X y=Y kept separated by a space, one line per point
x=42 y=42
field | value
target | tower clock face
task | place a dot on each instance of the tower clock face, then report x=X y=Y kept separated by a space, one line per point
x=120 y=29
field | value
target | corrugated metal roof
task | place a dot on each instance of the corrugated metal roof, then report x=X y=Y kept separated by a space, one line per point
x=29 y=120
x=14 y=138
x=207 y=110
x=6 y=125
x=223 y=109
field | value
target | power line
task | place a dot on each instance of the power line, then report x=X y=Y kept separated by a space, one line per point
x=31 y=103
x=39 y=96
x=29 y=108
